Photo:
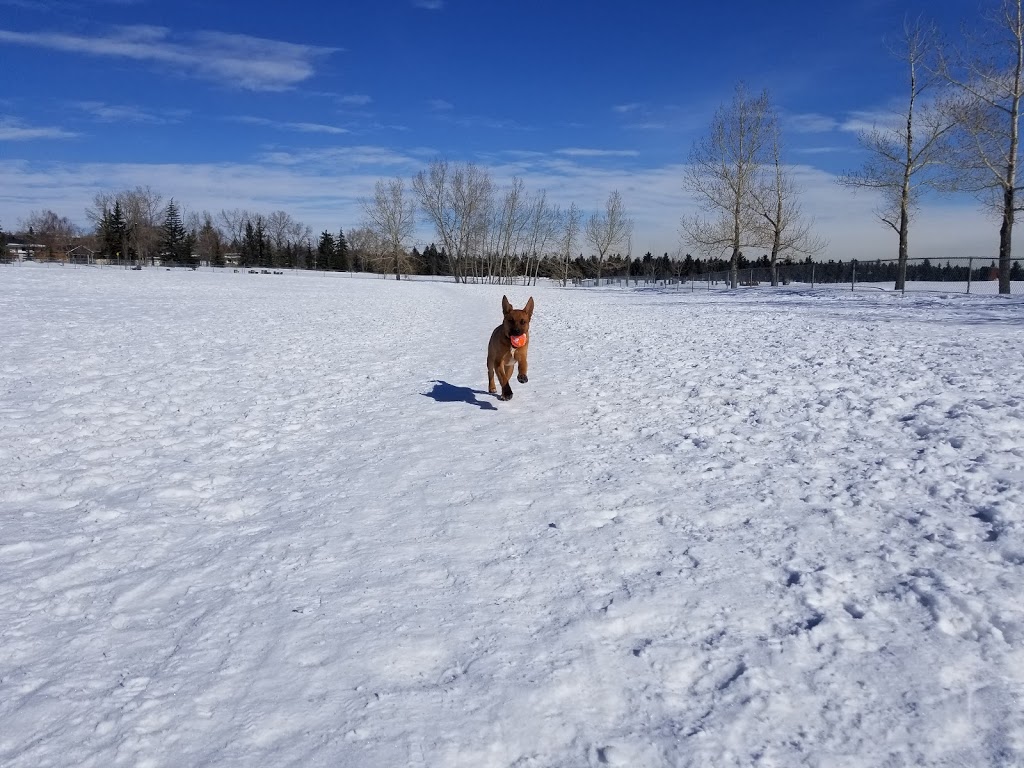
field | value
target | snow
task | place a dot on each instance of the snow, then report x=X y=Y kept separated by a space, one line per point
x=277 y=520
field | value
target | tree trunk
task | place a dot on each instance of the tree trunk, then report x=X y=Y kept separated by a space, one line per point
x=1005 y=235
x=901 y=267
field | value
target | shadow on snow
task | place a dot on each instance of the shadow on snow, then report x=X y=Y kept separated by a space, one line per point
x=443 y=392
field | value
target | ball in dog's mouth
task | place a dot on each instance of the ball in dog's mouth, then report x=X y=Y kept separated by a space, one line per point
x=517 y=341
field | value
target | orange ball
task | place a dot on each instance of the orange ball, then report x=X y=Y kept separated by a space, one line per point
x=518 y=341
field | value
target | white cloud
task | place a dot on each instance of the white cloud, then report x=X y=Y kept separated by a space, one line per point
x=355 y=99
x=624 y=108
x=811 y=122
x=340 y=158
x=440 y=105
x=12 y=129
x=249 y=62
x=859 y=121
x=430 y=5
x=584 y=152
x=288 y=126
x=120 y=113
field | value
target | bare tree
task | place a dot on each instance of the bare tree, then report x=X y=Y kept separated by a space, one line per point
x=775 y=198
x=722 y=170
x=279 y=229
x=53 y=231
x=365 y=245
x=143 y=212
x=232 y=224
x=391 y=214
x=209 y=239
x=541 y=230
x=509 y=220
x=457 y=201
x=571 y=223
x=905 y=158
x=609 y=228
x=988 y=77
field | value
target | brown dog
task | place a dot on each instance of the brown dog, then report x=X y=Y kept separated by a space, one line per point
x=502 y=355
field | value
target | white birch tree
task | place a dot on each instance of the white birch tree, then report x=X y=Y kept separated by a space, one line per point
x=721 y=173
x=608 y=229
x=391 y=215
x=906 y=157
x=987 y=74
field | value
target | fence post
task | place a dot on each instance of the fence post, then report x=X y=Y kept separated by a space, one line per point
x=853 y=274
x=970 y=264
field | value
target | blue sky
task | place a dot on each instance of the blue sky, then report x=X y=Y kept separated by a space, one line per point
x=302 y=107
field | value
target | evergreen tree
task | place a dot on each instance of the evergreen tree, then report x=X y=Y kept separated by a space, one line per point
x=325 y=251
x=175 y=243
x=249 y=248
x=217 y=254
x=114 y=234
x=188 y=249
x=264 y=250
x=3 y=246
x=209 y=244
x=341 y=252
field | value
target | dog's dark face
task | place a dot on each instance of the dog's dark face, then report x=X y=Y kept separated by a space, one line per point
x=517 y=321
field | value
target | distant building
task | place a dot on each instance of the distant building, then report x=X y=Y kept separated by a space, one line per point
x=20 y=249
x=81 y=254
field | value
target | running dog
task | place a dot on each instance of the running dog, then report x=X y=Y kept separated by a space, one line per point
x=508 y=346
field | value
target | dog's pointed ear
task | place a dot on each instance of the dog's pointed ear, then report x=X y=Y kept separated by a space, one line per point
x=505 y=306
x=529 y=307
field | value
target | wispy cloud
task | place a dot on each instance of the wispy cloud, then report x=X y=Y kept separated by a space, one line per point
x=341 y=158
x=584 y=152
x=355 y=100
x=12 y=129
x=866 y=120
x=121 y=113
x=445 y=112
x=430 y=5
x=286 y=126
x=649 y=125
x=624 y=108
x=853 y=122
x=811 y=122
x=253 y=63
x=820 y=150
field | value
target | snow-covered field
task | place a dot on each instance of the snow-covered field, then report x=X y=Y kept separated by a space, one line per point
x=276 y=521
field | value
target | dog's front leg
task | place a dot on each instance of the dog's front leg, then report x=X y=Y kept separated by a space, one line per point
x=522 y=369
x=504 y=374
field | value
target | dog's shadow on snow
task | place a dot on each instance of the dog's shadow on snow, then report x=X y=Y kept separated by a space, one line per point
x=443 y=392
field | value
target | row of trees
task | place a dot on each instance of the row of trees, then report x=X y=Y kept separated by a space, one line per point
x=959 y=130
x=486 y=233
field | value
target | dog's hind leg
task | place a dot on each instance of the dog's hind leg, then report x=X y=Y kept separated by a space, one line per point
x=490 y=378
